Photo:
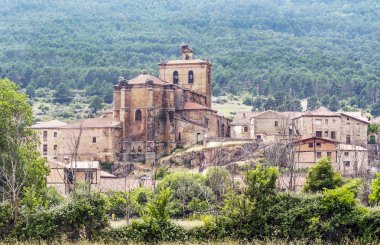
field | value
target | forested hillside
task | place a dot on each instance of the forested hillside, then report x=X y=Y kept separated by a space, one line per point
x=324 y=49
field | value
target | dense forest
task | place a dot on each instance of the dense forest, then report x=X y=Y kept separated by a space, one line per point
x=278 y=51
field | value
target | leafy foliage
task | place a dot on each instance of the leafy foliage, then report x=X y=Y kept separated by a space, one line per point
x=300 y=48
x=322 y=176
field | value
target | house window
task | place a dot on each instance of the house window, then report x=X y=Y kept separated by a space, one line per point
x=276 y=123
x=187 y=57
x=318 y=144
x=191 y=77
x=346 y=153
x=55 y=134
x=319 y=154
x=245 y=129
x=138 y=115
x=318 y=121
x=332 y=134
x=55 y=147
x=70 y=177
x=346 y=163
x=44 y=149
x=206 y=121
x=179 y=137
x=311 y=145
x=333 y=121
x=348 y=119
x=93 y=139
x=45 y=135
x=318 y=134
x=290 y=131
x=329 y=154
x=258 y=137
x=326 y=121
x=175 y=77
x=372 y=139
x=326 y=133
x=348 y=139
x=89 y=176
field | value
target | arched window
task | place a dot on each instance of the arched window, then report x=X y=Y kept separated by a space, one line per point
x=138 y=115
x=191 y=76
x=187 y=56
x=175 y=77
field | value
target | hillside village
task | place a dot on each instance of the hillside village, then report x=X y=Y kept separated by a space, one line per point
x=153 y=118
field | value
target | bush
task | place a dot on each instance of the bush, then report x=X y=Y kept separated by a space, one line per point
x=5 y=220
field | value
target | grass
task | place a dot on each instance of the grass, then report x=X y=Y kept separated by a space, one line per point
x=229 y=108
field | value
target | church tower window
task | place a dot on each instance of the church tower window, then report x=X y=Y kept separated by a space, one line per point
x=138 y=115
x=175 y=77
x=191 y=76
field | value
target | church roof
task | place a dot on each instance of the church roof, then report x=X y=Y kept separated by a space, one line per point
x=176 y=62
x=143 y=78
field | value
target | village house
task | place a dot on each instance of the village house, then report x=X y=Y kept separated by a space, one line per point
x=241 y=127
x=151 y=117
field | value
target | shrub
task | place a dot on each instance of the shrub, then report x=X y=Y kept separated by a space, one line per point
x=322 y=176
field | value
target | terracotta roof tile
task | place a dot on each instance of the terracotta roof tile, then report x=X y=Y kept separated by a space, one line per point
x=244 y=117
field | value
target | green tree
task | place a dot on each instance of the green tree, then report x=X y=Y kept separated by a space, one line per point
x=373 y=128
x=322 y=176
x=63 y=94
x=21 y=165
x=219 y=180
x=313 y=103
x=375 y=109
x=261 y=182
x=96 y=104
x=160 y=207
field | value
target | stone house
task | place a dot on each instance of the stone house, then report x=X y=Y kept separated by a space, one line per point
x=97 y=139
x=241 y=126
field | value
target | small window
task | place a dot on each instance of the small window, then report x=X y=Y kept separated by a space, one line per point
x=93 y=139
x=346 y=163
x=333 y=121
x=206 y=121
x=138 y=115
x=187 y=56
x=326 y=133
x=326 y=121
x=171 y=116
x=191 y=77
x=318 y=134
x=346 y=153
x=276 y=123
x=258 y=137
x=55 y=134
x=89 y=176
x=348 y=139
x=45 y=134
x=246 y=129
x=332 y=134
x=44 y=149
x=179 y=137
x=319 y=154
x=348 y=119
x=55 y=147
x=318 y=144
x=290 y=131
x=329 y=154
x=175 y=77
x=318 y=121
x=311 y=145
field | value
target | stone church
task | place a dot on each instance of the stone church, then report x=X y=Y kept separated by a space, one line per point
x=159 y=114
x=151 y=117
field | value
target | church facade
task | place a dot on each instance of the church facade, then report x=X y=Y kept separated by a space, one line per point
x=159 y=114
